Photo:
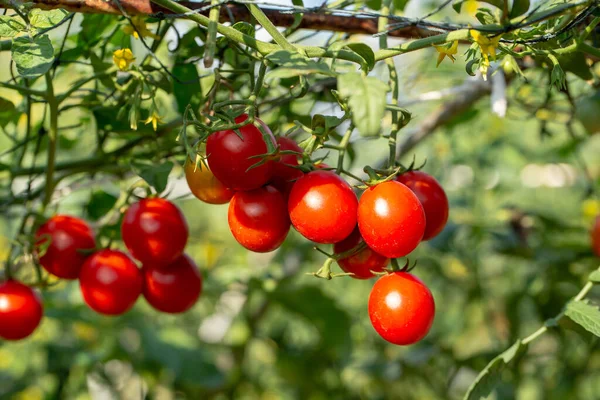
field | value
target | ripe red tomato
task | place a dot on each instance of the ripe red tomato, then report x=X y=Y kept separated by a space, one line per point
x=258 y=219
x=155 y=231
x=596 y=237
x=205 y=186
x=66 y=240
x=401 y=308
x=432 y=198
x=110 y=282
x=322 y=207
x=391 y=219
x=173 y=289
x=230 y=156
x=362 y=263
x=21 y=310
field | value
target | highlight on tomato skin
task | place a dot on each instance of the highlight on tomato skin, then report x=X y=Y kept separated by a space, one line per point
x=154 y=231
x=66 y=242
x=391 y=219
x=433 y=199
x=233 y=159
x=173 y=289
x=204 y=184
x=110 y=282
x=258 y=219
x=401 y=308
x=361 y=263
x=322 y=207
x=21 y=310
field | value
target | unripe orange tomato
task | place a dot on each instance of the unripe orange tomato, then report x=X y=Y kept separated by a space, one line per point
x=205 y=185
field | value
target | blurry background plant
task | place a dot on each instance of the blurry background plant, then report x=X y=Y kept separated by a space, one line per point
x=522 y=181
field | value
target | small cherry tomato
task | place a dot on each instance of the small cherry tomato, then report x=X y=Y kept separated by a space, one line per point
x=258 y=219
x=230 y=157
x=110 y=282
x=322 y=207
x=432 y=198
x=391 y=219
x=596 y=237
x=155 y=231
x=173 y=289
x=284 y=174
x=67 y=241
x=205 y=186
x=21 y=310
x=401 y=308
x=361 y=263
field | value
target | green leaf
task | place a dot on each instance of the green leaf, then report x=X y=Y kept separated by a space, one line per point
x=366 y=97
x=489 y=377
x=400 y=5
x=156 y=175
x=374 y=4
x=33 y=57
x=365 y=52
x=325 y=122
x=576 y=63
x=46 y=19
x=245 y=28
x=187 y=90
x=100 y=66
x=595 y=276
x=11 y=26
x=92 y=27
x=7 y=111
x=586 y=315
x=295 y=64
x=558 y=77
x=99 y=204
x=519 y=7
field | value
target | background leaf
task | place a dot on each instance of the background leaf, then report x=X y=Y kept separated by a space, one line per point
x=367 y=98
x=11 y=26
x=586 y=315
x=156 y=175
x=33 y=57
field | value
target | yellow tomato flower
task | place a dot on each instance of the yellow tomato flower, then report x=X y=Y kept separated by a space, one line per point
x=448 y=49
x=471 y=7
x=155 y=119
x=123 y=58
x=488 y=46
x=138 y=24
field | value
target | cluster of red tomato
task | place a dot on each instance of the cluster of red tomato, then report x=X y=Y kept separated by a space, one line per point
x=154 y=231
x=389 y=220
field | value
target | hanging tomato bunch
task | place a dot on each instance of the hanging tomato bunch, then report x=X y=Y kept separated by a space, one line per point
x=271 y=185
x=155 y=233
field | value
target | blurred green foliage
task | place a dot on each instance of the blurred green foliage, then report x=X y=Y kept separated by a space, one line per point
x=516 y=249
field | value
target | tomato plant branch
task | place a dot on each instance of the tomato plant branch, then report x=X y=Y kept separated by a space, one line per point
x=52 y=140
x=23 y=90
x=264 y=21
x=342 y=148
